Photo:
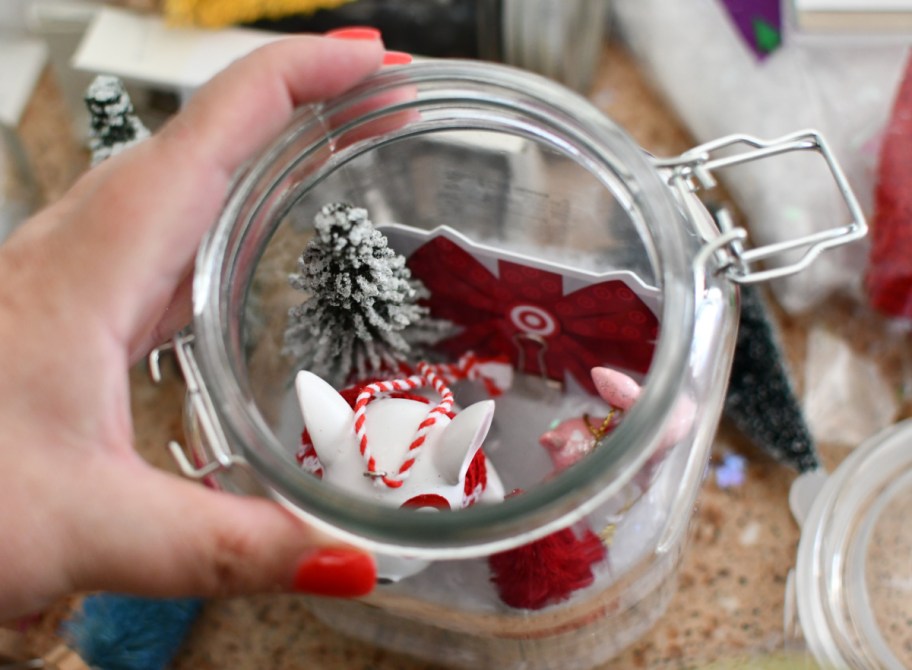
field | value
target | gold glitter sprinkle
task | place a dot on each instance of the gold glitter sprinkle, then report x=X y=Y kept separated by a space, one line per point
x=607 y=534
x=598 y=432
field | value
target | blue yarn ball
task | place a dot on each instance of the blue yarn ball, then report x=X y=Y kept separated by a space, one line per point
x=116 y=632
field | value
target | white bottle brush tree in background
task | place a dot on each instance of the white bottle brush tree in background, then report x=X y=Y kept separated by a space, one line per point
x=114 y=123
x=362 y=317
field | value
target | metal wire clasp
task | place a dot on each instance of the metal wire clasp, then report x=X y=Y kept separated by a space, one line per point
x=200 y=405
x=693 y=170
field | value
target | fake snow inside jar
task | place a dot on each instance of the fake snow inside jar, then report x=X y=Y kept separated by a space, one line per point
x=458 y=317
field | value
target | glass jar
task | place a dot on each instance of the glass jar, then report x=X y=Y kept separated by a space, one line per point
x=594 y=254
x=850 y=595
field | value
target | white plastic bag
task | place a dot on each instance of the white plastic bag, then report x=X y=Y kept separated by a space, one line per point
x=717 y=86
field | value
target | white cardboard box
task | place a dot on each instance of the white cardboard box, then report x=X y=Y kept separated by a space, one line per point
x=21 y=63
x=142 y=49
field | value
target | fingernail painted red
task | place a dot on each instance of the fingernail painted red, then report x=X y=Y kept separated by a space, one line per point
x=396 y=58
x=342 y=573
x=355 y=33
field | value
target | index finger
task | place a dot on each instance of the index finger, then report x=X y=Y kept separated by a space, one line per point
x=257 y=94
x=141 y=222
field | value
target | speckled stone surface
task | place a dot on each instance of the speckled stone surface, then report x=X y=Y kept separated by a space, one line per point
x=55 y=156
x=731 y=594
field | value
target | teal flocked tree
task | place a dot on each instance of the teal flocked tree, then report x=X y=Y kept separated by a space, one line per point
x=362 y=315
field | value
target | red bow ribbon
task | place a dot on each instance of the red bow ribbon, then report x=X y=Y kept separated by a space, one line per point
x=523 y=313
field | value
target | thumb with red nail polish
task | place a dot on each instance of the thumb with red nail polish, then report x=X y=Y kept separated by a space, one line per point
x=336 y=572
x=355 y=33
x=80 y=510
x=396 y=58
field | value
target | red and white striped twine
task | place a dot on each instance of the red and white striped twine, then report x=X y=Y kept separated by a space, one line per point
x=426 y=377
x=471 y=367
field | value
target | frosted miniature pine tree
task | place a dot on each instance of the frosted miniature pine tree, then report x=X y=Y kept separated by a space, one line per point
x=114 y=125
x=362 y=314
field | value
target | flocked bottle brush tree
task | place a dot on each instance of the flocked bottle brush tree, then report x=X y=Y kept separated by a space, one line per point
x=363 y=313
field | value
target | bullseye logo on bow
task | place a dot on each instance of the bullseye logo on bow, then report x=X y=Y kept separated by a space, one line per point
x=533 y=320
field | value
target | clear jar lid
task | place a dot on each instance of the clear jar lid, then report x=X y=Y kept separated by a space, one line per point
x=853 y=578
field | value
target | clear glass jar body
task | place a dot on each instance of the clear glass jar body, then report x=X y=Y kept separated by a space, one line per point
x=533 y=174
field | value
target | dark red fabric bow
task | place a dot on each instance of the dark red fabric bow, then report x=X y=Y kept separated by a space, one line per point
x=523 y=313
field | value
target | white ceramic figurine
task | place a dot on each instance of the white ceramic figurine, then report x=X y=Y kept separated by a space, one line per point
x=392 y=470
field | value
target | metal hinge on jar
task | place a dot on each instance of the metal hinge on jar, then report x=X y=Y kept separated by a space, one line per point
x=694 y=170
x=200 y=404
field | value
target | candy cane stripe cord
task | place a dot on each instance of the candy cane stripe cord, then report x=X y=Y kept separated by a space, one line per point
x=474 y=368
x=426 y=377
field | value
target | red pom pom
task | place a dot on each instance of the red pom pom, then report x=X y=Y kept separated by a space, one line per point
x=546 y=571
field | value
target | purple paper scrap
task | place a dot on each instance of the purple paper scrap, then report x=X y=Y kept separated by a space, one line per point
x=759 y=22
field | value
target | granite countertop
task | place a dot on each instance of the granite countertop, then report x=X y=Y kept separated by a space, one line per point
x=731 y=597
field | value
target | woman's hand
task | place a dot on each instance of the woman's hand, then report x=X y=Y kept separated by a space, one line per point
x=86 y=288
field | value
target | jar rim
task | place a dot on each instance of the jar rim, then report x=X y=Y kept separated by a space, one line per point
x=554 y=504
x=838 y=617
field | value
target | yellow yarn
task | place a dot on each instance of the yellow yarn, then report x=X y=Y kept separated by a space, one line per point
x=219 y=13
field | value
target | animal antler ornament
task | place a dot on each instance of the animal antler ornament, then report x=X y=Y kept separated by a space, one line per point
x=388 y=446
